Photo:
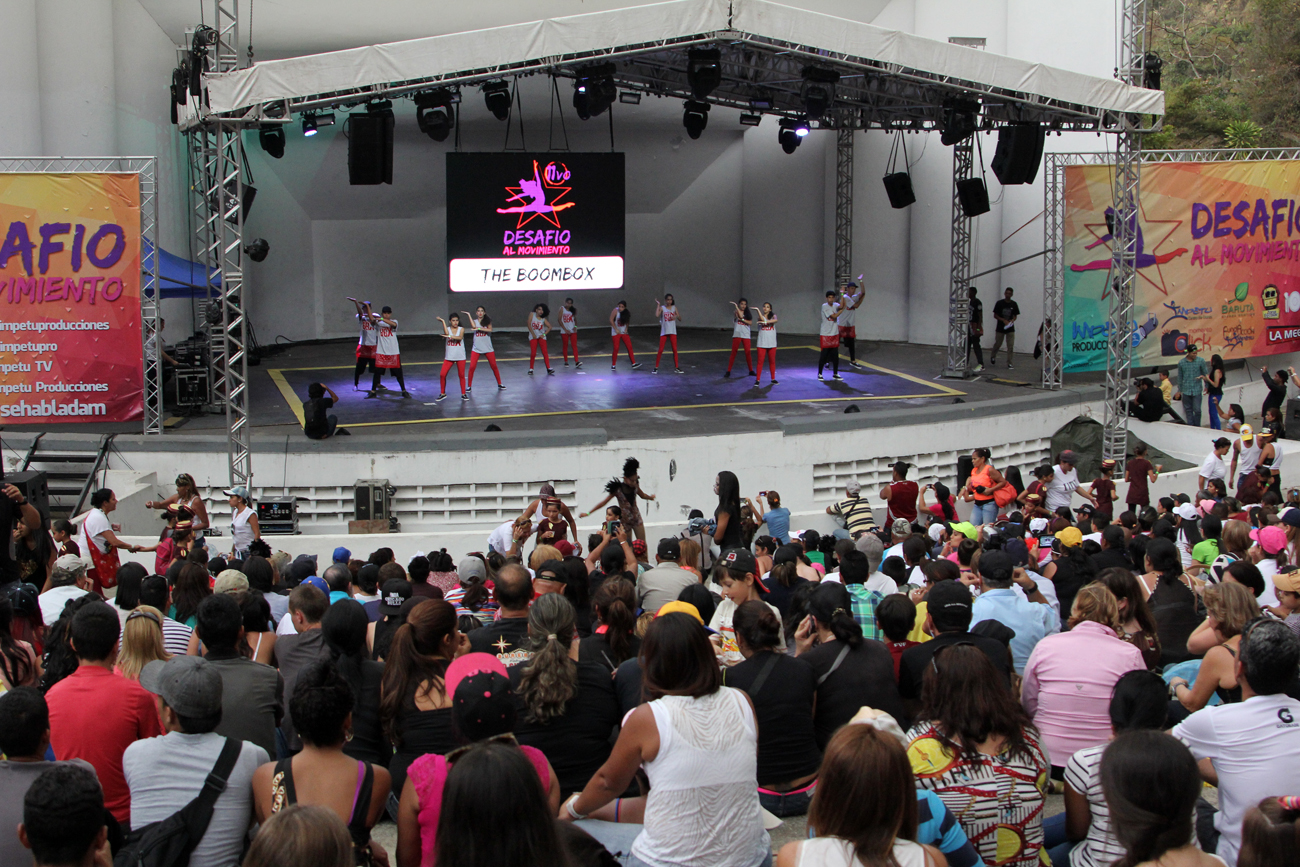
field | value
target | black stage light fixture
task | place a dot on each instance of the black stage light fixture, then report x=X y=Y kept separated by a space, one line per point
x=271 y=138
x=594 y=90
x=309 y=124
x=497 y=98
x=629 y=97
x=433 y=114
x=960 y=120
x=703 y=71
x=257 y=249
x=818 y=90
x=1151 y=65
x=790 y=133
x=695 y=117
x=751 y=119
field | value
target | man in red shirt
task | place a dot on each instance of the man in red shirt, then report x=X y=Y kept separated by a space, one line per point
x=901 y=495
x=95 y=714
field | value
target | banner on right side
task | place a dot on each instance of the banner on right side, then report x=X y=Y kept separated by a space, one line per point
x=1218 y=261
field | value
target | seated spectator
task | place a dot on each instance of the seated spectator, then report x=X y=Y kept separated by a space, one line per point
x=666 y=580
x=307 y=605
x=866 y=590
x=338 y=577
x=1152 y=785
x=393 y=600
x=252 y=694
x=166 y=773
x=471 y=595
x=19 y=664
x=851 y=671
x=1113 y=545
x=1070 y=676
x=1244 y=740
x=614 y=639
x=301 y=836
x=508 y=636
x=259 y=639
x=483 y=708
x=322 y=774
x=64 y=819
x=783 y=579
x=1171 y=600
x=864 y=811
x=976 y=748
x=142 y=641
x=897 y=616
x=1229 y=607
x=948 y=617
x=1030 y=616
x=567 y=709
x=418 y=573
x=192 y=587
x=1070 y=567
x=26 y=623
x=176 y=635
x=1269 y=836
x=68 y=581
x=783 y=690
x=740 y=583
x=1137 y=625
x=94 y=714
x=442 y=572
x=24 y=740
x=415 y=708
x=344 y=629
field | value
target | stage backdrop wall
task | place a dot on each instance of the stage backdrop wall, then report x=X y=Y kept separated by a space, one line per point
x=1218 y=261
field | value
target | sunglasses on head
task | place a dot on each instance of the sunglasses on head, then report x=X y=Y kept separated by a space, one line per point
x=506 y=738
x=933 y=666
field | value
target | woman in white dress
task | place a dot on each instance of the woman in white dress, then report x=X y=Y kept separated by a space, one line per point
x=766 y=342
x=619 y=320
x=243 y=522
x=482 y=324
x=538 y=326
x=455 y=355
x=569 y=332
x=740 y=334
x=668 y=318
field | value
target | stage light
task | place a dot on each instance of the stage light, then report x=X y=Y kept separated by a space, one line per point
x=801 y=128
x=1151 y=65
x=594 y=90
x=272 y=140
x=695 y=117
x=789 y=135
x=629 y=97
x=818 y=90
x=433 y=114
x=751 y=119
x=309 y=124
x=257 y=249
x=761 y=103
x=497 y=98
x=960 y=120
x=703 y=71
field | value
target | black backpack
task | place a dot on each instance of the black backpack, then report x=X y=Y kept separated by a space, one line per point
x=170 y=843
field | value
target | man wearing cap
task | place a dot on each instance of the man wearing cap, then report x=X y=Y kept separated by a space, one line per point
x=1065 y=483
x=949 y=608
x=253 y=702
x=68 y=580
x=507 y=638
x=665 y=582
x=855 y=512
x=1030 y=616
x=742 y=579
x=166 y=773
x=307 y=605
x=549 y=578
x=243 y=521
x=1287 y=589
x=1245 y=455
x=899 y=532
x=1193 y=373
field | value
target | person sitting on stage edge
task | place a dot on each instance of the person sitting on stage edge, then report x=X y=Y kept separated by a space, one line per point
x=316 y=424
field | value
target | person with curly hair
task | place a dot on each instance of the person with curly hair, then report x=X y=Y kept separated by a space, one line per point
x=626 y=491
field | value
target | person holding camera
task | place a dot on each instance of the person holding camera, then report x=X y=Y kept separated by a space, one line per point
x=1193 y=373
x=777 y=517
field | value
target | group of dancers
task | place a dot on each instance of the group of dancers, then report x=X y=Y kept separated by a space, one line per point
x=377 y=347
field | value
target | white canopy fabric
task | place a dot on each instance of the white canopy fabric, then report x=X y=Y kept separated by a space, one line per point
x=623 y=30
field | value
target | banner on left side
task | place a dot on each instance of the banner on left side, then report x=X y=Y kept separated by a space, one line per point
x=70 y=348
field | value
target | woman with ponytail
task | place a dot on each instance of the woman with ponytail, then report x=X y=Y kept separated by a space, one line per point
x=567 y=708
x=851 y=670
x=1171 y=600
x=614 y=640
x=944 y=506
x=344 y=629
x=414 y=707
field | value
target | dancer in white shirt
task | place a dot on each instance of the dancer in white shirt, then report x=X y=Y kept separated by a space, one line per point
x=851 y=301
x=387 y=353
x=668 y=318
x=619 y=320
x=569 y=332
x=830 y=335
x=538 y=326
x=455 y=336
x=766 y=341
x=740 y=334
x=482 y=324
x=366 y=342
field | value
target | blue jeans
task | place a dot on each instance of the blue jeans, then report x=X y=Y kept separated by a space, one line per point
x=984 y=513
x=785 y=804
x=1056 y=843
x=1192 y=409
x=1215 y=422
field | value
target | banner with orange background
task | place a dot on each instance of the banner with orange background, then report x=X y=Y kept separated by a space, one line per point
x=70 y=347
x=1218 y=261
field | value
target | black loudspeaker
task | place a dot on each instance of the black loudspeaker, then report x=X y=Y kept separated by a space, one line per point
x=974 y=196
x=370 y=149
x=1019 y=151
x=898 y=187
x=965 y=466
x=34 y=487
x=1293 y=416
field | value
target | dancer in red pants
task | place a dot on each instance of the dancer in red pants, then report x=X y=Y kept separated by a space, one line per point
x=538 y=326
x=766 y=341
x=619 y=320
x=740 y=334
x=569 y=332
x=668 y=318
x=455 y=355
x=482 y=345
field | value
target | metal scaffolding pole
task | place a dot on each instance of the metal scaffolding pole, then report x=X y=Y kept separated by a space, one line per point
x=843 y=205
x=1053 y=269
x=958 y=365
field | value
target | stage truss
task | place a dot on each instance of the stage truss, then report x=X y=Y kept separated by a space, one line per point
x=146 y=169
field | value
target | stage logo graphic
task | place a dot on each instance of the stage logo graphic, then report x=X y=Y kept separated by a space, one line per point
x=533 y=193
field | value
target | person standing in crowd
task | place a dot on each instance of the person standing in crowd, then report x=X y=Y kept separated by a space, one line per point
x=855 y=512
x=98 y=538
x=727 y=532
x=569 y=332
x=829 y=335
x=1138 y=471
x=900 y=495
x=1065 y=483
x=767 y=320
x=1276 y=385
x=975 y=329
x=539 y=325
x=243 y=521
x=1214 y=390
x=1246 y=452
x=1005 y=311
x=851 y=299
x=388 y=355
x=668 y=318
x=620 y=318
x=318 y=423
x=742 y=324
x=1192 y=376
x=454 y=356
x=777 y=517
x=366 y=343
x=982 y=486
x=1103 y=490
x=187 y=497
x=482 y=325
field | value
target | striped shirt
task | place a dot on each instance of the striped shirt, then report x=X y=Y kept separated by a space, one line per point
x=857 y=515
x=1083 y=774
x=176 y=636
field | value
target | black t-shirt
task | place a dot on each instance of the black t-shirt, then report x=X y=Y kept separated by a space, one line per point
x=787 y=743
x=1151 y=404
x=579 y=741
x=781 y=596
x=865 y=677
x=596 y=648
x=315 y=424
x=976 y=315
x=1110 y=557
x=1006 y=309
x=507 y=639
x=9 y=512
x=627 y=686
x=915 y=660
x=368 y=741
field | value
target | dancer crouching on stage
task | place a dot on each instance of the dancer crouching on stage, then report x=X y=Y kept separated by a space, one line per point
x=851 y=301
x=388 y=355
x=482 y=345
x=740 y=334
x=455 y=335
x=766 y=341
x=830 y=336
x=569 y=332
x=538 y=326
x=619 y=320
x=366 y=342
x=668 y=318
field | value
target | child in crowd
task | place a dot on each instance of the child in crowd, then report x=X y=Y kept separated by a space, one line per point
x=896 y=615
x=1103 y=488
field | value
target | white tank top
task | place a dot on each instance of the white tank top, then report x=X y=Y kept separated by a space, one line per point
x=838 y=852
x=1248 y=457
x=617 y=329
x=455 y=344
x=536 y=327
x=482 y=340
x=767 y=336
x=668 y=320
x=568 y=321
x=741 y=328
x=703 y=802
x=241 y=532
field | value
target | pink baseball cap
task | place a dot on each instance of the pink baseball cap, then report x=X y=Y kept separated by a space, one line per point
x=1271 y=538
x=471 y=663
